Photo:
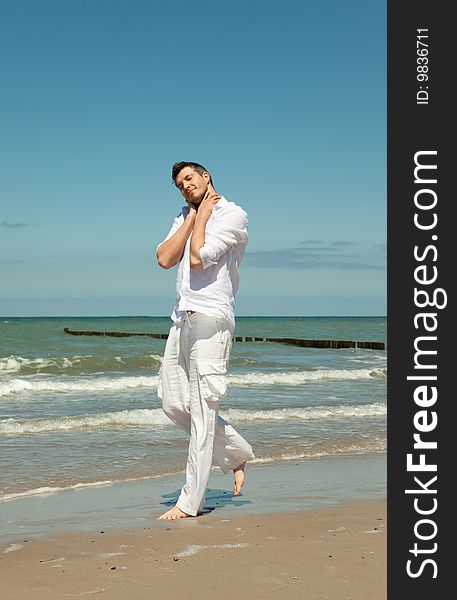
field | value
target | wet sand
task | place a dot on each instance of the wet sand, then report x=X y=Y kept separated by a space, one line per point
x=337 y=553
x=271 y=487
x=313 y=529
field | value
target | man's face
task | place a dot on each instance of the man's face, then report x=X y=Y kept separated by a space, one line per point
x=192 y=185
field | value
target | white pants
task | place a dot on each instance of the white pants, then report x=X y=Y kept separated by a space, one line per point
x=192 y=383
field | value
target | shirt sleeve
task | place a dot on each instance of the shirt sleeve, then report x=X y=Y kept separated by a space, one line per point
x=228 y=230
x=177 y=222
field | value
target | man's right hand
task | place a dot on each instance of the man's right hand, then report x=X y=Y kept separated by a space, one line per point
x=192 y=213
x=170 y=252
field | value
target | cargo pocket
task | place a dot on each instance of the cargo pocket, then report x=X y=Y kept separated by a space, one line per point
x=160 y=383
x=213 y=383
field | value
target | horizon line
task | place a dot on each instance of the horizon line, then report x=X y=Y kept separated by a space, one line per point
x=168 y=316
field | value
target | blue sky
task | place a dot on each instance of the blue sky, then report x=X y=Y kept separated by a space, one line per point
x=284 y=103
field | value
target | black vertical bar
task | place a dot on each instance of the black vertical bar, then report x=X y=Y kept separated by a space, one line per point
x=421 y=118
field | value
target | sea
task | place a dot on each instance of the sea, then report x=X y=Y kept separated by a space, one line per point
x=83 y=411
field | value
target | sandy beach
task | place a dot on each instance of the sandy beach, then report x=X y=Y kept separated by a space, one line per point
x=311 y=529
x=336 y=553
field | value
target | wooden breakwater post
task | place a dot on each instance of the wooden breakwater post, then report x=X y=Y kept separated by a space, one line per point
x=291 y=341
x=160 y=336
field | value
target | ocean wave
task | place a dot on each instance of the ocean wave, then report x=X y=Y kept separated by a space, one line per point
x=101 y=384
x=155 y=417
x=308 y=413
x=124 y=418
x=299 y=377
x=88 y=384
x=48 y=490
x=10 y=365
x=347 y=448
x=326 y=450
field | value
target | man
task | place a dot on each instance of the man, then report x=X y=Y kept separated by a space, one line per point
x=208 y=239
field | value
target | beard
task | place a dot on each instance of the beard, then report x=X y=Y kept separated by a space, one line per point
x=196 y=199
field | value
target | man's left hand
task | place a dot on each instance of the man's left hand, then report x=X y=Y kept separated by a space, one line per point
x=206 y=205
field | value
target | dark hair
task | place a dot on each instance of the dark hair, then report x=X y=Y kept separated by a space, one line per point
x=179 y=166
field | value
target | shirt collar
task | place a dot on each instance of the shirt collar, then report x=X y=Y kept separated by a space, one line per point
x=221 y=202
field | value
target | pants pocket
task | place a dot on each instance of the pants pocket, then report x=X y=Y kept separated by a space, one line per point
x=160 y=383
x=212 y=378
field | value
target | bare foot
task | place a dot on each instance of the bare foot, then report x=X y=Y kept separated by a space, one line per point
x=174 y=513
x=239 y=479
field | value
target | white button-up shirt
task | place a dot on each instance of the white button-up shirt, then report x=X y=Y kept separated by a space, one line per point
x=212 y=290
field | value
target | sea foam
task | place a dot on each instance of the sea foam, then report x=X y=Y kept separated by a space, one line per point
x=155 y=417
x=119 y=383
x=10 y=365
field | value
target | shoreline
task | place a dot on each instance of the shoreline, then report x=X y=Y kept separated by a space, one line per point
x=313 y=529
x=270 y=488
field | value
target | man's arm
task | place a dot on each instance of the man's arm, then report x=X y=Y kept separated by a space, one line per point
x=197 y=240
x=170 y=252
x=208 y=246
